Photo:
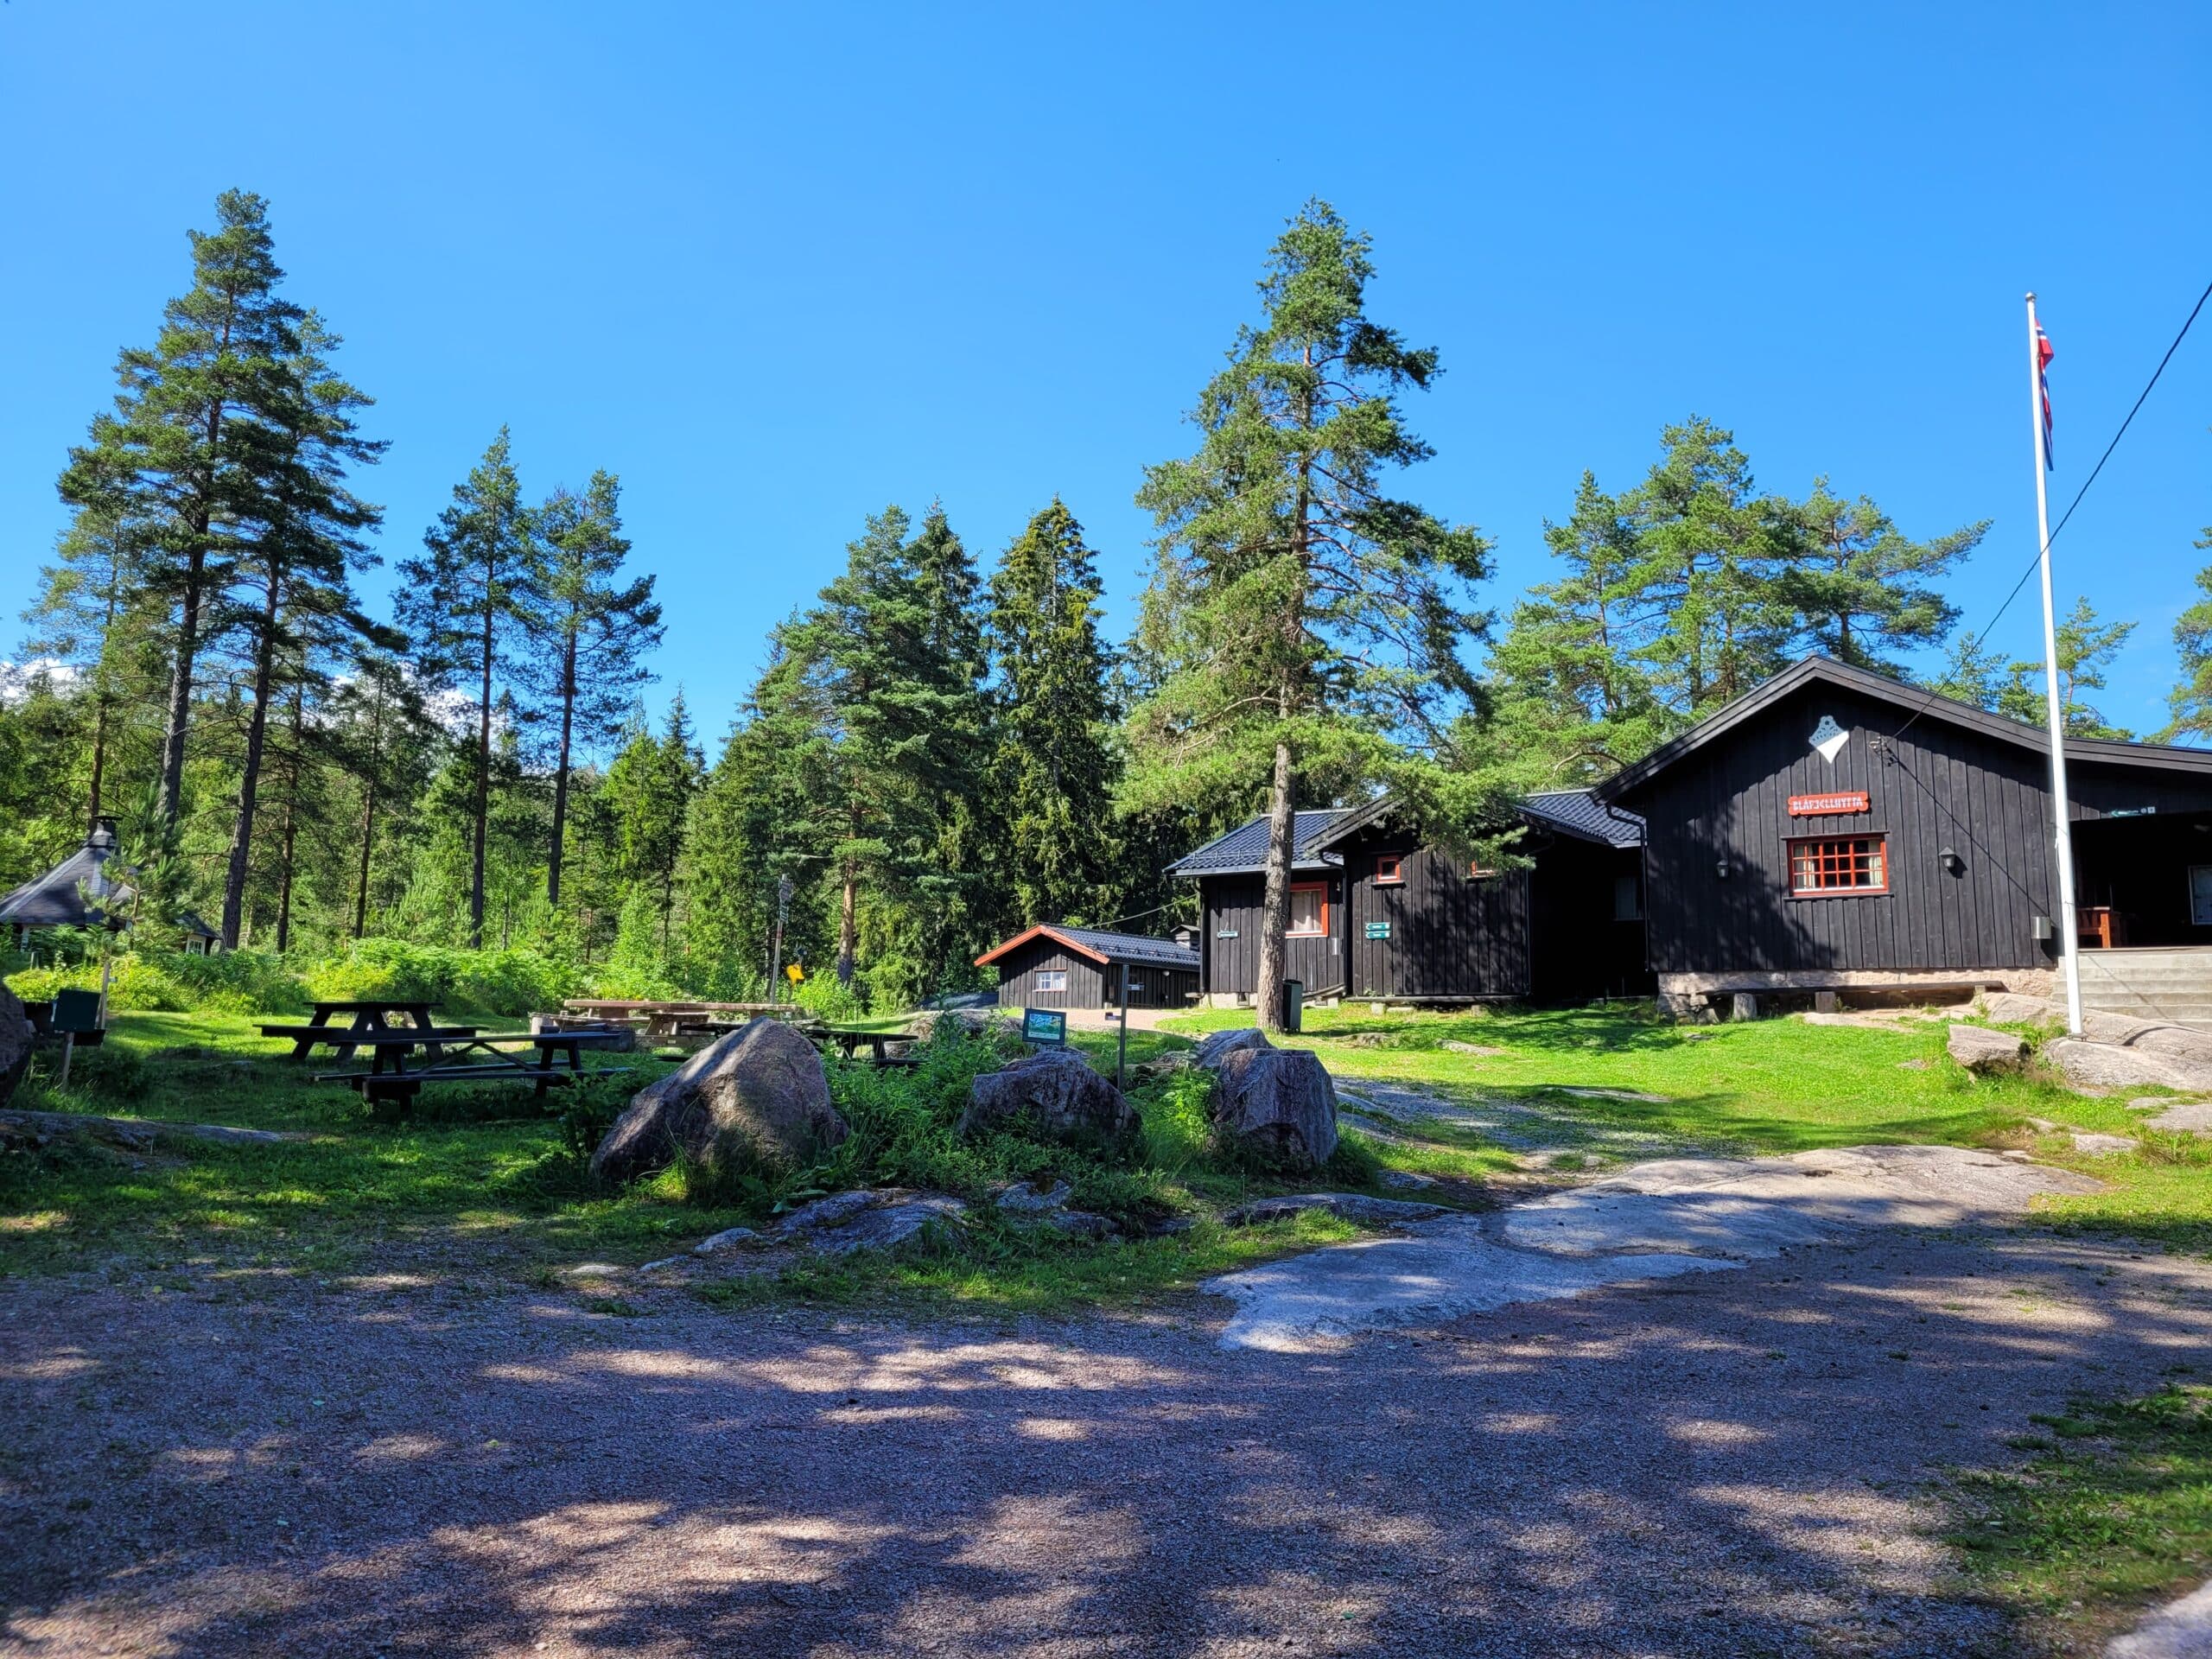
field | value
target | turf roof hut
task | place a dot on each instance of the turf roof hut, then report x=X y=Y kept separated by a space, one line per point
x=82 y=891
x=1057 y=966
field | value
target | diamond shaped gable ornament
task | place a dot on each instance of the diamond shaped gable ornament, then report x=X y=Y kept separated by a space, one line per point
x=1829 y=738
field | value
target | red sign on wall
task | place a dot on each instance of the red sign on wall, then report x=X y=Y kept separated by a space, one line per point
x=1821 y=806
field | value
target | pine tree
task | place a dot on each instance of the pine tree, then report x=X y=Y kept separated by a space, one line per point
x=2086 y=649
x=2191 y=700
x=1320 y=618
x=178 y=454
x=589 y=634
x=1709 y=599
x=1860 y=587
x=1056 y=766
x=466 y=603
x=1572 y=704
x=297 y=563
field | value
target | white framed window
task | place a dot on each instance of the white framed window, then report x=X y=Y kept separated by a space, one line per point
x=2200 y=896
x=1628 y=899
x=1051 y=979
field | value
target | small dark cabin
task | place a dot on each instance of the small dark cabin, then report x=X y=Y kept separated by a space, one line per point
x=1057 y=966
x=1837 y=830
x=1376 y=915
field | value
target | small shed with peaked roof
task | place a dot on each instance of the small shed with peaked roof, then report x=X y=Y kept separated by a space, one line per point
x=1054 y=966
x=86 y=889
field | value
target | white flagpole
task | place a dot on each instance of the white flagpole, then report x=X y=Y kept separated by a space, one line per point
x=2062 y=842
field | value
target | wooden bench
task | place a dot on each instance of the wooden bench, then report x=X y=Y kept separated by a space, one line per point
x=503 y=1063
x=879 y=1043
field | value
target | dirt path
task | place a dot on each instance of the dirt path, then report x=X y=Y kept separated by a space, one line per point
x=1723 y=1463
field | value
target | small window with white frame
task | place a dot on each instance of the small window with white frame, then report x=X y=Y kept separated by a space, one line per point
x=1051 y=979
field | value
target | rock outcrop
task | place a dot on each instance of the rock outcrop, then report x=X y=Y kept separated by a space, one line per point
x=1981 y=1050
x=756 y=1096
x=14 y=1044
x=1051 y=1095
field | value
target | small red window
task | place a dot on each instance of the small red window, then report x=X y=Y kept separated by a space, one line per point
x=1389 y=869
x=1834 y=864
x=1309 y=912
x=1479 y=871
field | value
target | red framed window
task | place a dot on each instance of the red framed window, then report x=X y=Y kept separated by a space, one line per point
x=1822 y=865
x=1389 y=869
x=1478 y=871
x=1309 y=910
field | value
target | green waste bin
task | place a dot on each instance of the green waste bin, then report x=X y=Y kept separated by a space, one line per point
x=1293 y=1005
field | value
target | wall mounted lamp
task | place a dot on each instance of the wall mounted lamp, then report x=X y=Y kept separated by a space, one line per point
x=1720 y=869
x=1949 y=859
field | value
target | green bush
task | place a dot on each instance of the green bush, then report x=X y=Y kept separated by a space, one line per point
x=171 y=982
x=491 y=982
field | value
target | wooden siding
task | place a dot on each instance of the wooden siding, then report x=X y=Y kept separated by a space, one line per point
x=1579 y=949
x=1452 y=935
x=1233 y=909
x=1932 y=786
x=1089 y=986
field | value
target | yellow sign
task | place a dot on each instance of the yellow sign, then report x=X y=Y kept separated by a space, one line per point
x=794 y=974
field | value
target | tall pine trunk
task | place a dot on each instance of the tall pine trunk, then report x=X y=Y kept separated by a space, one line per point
x=290 y=839
x=256 y=735
x=483 y=805
x=561 y=769
x=197 y=520
x=369 y=813
x=1274 y=925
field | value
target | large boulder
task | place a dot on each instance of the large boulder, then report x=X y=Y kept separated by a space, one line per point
x=1216 y=1047
x=1979 y=1049
x=758 y=1096
x=1051 y=1095
x=1278 y=1103
x=963 y=1022
x=2089 y=1064
x=2011 y=1008
x=14 y=1044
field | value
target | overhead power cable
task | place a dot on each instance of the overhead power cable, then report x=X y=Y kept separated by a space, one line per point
x=1982 y=636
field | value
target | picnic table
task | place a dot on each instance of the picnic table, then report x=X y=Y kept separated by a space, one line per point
x=850 y=1038
x=371 y=1017
x=388 y=1079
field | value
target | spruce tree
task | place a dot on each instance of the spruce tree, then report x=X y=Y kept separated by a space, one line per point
x=466 y=601
x=383 y=738
x=590 y=631
x=648 y=791
x=1056 y=766
x=1320 y=618
x=178 y=454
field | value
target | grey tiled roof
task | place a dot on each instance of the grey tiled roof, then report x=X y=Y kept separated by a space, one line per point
x=1245 y=848
x=1130 y=947
x=74 y=893
x=1581 y=811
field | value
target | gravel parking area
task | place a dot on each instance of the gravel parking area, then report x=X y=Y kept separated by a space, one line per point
x=1722 y=1464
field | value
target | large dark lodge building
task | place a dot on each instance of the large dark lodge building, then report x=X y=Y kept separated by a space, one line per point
x=1833 y=831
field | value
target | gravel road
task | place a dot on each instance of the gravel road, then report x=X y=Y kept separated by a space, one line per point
x=1723 y=1463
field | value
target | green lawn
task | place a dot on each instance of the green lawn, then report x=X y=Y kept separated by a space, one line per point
x=2111 y=1514
x=485 y=1184
x=1772 y=1085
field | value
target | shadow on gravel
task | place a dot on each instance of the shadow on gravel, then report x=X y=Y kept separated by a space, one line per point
x=1728 y=1464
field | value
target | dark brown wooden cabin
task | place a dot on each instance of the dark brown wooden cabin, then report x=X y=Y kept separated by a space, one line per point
x=1837 y=829
x=1377 y=915
x=1057 y=967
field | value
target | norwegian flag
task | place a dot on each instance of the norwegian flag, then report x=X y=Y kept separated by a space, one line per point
x=2043 y=354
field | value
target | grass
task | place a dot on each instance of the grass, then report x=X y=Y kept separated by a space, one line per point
x=483 y=1182
x=1771 y=1086
x=2111 y=1514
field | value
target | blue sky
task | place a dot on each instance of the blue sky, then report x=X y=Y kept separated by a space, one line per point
x=779 y=266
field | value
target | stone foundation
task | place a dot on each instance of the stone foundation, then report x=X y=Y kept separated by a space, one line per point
x=1700 y=996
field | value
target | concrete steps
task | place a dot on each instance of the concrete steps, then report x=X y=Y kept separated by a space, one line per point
x=2173 y=986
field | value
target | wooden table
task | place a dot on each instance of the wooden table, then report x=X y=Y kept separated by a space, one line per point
x=371 y=1016
x=389 y=1079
